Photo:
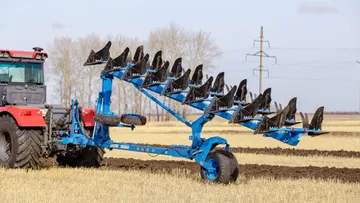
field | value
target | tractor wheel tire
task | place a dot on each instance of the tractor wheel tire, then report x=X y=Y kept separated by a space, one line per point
x=19 y=147
x=133 y=119
x=235 y=168
x=88 y=157
x=223 y=168
x=107 y=120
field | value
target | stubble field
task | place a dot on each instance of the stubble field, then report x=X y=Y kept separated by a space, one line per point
x=320 y=169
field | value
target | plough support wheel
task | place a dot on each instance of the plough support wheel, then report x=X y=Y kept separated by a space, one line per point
x=225 y=168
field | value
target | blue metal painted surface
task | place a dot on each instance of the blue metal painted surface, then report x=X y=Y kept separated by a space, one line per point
x=199 y=148
x=164 y=106
x=287 y=135
x=172 y=151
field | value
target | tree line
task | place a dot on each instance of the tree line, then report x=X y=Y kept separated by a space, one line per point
x=73 y=80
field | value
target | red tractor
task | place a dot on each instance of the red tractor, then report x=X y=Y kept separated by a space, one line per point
x=29 y=127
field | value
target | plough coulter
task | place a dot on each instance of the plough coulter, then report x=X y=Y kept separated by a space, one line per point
x=78 y=136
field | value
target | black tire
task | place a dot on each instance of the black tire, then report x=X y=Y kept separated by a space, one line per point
x=88 y=157
x=19 y=147
x=235 y=168
x=133 y=119
x=223 y=169
x=107 y=120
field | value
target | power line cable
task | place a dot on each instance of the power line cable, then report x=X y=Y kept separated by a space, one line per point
x=331 y=49
x=316 y=79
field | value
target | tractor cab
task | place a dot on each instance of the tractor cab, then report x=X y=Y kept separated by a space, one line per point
x=22 y=77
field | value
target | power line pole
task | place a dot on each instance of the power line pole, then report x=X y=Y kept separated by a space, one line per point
x=357 y=61
x=261 y=54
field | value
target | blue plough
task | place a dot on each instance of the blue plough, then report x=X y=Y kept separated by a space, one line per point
x=216 y=165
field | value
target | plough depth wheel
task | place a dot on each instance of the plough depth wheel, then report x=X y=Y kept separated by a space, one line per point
x=224 y=167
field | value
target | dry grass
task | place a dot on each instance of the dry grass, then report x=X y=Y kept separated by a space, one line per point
x=104 y=185
x=81 y=185
x=298 y=161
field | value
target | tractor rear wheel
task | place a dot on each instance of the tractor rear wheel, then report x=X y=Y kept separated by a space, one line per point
x=19 y=147
x=87 y=157
x=221 y=171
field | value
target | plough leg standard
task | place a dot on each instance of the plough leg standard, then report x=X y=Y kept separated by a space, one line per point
x=216 y=165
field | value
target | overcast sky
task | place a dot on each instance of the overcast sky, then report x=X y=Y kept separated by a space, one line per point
x=316 y=42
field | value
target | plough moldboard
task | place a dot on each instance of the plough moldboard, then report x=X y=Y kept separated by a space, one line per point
x=205 y=95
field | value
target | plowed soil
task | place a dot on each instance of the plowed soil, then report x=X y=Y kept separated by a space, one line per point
x=238 y=132
x=292 y=152
x=296 y=152
x=248 y=170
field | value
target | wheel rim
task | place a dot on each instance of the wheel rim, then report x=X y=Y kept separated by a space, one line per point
x=5 y=146
x=212 y=173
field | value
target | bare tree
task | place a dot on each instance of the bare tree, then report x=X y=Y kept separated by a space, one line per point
x=61 y=62
x=201 y=50
x=88 y=75
x=193 y=47
x=171 y=41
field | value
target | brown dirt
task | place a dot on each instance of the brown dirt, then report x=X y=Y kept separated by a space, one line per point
x=296 y=152
x=342 y=133
x=282 y=151
x=248 y=170
x=232 y=132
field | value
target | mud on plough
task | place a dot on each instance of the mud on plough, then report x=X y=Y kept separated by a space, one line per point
x=209 y=96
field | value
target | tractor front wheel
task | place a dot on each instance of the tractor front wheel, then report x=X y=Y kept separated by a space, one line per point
x=19 y=147
x=224 y=168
